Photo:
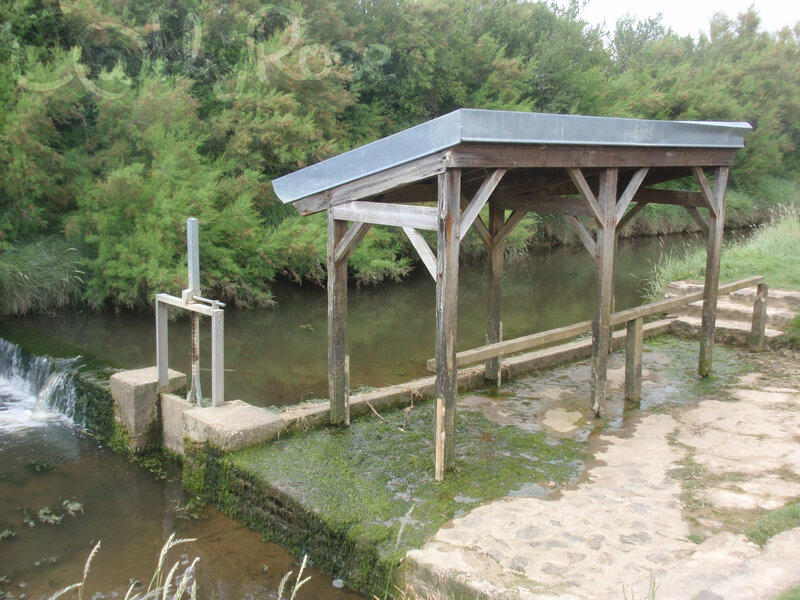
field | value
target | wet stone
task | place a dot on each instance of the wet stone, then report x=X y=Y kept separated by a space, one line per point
x=553 y=569
x=531 y=532
x=709 y=595
x=518 y=563
x=575 y=557
x=595 y=542
x=636 y=538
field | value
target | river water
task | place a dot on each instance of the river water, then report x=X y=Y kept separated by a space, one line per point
x=279 y=356
x=48 y=469
x=275 y=357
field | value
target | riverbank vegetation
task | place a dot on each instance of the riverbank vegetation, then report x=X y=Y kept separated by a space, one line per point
x=771 y=251
x=121 y=119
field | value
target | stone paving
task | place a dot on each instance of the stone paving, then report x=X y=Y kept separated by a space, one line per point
x=624 y=527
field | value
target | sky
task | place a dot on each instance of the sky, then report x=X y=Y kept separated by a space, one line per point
x=689 y=17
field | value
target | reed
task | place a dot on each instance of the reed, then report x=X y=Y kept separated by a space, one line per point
x=39 y=277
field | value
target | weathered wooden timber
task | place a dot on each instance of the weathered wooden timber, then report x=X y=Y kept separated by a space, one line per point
x=523 y=162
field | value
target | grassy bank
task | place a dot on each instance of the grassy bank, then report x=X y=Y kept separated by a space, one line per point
x=771 y=251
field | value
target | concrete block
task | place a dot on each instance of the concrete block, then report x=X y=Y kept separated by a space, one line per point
x=232 y=426
x=135 y=396
x=172 y=409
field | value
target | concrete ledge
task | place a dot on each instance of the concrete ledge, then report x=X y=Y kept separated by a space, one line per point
x=236 y=425
x=135 y=396
x=172 y=409
x=232 y=426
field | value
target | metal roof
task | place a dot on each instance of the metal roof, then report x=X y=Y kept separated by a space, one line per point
x=503 y=127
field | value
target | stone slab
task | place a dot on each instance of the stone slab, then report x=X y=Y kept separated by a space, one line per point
x=232 y=426
x=172 y=409
x=135 y=394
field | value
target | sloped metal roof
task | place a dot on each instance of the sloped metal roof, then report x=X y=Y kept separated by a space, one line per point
x=504 y=127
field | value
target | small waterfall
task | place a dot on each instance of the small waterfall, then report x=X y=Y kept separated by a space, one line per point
x=34 y=389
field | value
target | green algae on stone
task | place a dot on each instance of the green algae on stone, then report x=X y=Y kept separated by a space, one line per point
x=358 y=498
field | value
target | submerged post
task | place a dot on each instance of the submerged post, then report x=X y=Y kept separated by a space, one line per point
x=449 y=202
x=338 y=363
x=494 y=324
x=716 y=224
x=604 y=291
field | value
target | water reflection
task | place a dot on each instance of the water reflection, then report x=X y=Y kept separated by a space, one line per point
x=279 y=356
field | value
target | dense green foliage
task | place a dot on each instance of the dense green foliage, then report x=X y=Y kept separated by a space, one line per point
x=121 y=119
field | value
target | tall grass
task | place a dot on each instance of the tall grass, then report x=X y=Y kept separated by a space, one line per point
x=39 y=277
x=171 y=585
x=772 y=251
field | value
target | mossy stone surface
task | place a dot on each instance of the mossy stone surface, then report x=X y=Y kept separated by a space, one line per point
x=356 y=499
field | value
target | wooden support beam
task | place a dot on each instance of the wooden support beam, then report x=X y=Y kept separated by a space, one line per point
x=481 y=197
x=379 y=183
x=714 y=249
x=424 y=251
x=482 y=231
x=671 y=197
x=514 y=219
x=710 y=199
x=446 y=389
x=583 y=187
x=479 y=225
x=697 y=218
x=628 y=216
x=494 y=305
x=338 y=362
x=759 y=326
x=630 y=191
x=380 y=213
x=583 y=234
x=350 y=241
x=604 y=292
x=633 y=360
x=537 y=156
x=553 y=205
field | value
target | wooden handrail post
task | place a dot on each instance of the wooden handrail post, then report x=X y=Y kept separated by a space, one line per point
x=633 y=360
x=759 y=326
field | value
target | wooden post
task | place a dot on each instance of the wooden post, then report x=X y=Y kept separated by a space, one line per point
x=633 y=360
x=715 y=229
x=338 y=364
x=494 y=325
x=758 y=329
x=604 y=280
x=446 y=321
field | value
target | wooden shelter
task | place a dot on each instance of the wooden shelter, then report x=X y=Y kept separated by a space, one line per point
x=597 y=172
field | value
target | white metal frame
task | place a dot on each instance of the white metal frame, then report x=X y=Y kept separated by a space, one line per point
x=192 y=301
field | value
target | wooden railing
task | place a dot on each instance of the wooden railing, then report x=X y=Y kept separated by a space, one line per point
x=633 y=318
